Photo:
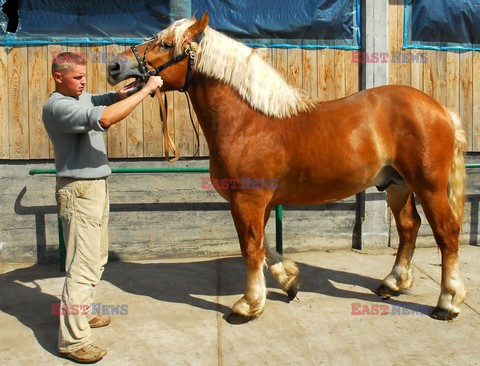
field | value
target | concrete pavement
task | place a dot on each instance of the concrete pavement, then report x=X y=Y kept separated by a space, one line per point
x=176 y=310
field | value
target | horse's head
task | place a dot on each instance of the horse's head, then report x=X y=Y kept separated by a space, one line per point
x=171 y=54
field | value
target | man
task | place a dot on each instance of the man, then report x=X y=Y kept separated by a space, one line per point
x=75 y=120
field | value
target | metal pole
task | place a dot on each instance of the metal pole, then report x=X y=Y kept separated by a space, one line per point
x=61 y=245
x=279 y=228
x=137 y=170
x=61 y=242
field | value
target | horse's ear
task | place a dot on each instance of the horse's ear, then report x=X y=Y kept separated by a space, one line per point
x=199 y=26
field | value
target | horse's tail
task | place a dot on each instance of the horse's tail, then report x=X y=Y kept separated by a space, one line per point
x=457 y=180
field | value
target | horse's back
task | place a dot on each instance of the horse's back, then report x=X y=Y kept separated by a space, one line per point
x=342 y=146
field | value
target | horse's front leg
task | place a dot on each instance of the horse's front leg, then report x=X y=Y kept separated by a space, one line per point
x=248 y=216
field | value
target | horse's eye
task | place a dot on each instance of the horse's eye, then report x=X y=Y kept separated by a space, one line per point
x=166 y=45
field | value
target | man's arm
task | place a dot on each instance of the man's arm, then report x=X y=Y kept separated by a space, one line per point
x=116 y=112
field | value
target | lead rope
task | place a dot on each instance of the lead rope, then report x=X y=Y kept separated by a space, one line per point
x=168 y=143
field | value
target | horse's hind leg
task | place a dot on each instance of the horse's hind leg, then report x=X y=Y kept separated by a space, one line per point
x=446 y=229
x=248 y=216
x=402 y=204
x=284 y=271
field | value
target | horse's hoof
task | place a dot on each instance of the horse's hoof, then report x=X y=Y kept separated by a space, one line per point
x=237 y=319
x=386 y=291
x=442 y=314
x=293 y=290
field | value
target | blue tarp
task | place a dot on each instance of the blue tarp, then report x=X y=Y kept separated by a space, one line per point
x=311 y=23
x=314 y=22
x=442 y=24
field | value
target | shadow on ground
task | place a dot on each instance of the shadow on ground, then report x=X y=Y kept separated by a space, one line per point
x=23 y=298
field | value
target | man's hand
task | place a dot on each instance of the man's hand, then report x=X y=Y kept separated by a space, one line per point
x=116 y=112
x=153 y=83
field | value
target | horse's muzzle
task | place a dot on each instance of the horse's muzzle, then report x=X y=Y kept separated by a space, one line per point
x=114 y=72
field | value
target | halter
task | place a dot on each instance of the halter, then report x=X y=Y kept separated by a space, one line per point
x=190 y=52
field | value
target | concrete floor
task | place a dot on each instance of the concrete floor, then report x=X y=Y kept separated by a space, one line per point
x=176 y=311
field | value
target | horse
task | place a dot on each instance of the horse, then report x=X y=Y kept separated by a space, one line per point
x=259 y=127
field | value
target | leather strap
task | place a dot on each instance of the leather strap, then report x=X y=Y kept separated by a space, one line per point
x=168 y=143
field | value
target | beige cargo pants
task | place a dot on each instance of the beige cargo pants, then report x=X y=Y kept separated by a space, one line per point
x=83 y=206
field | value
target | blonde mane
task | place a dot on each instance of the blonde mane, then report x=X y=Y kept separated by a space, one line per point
x=237 y=65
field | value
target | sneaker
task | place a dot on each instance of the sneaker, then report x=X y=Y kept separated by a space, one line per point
x=99 y=321
x=87 y=354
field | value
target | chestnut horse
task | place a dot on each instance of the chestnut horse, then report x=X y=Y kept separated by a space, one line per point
x=257 y=126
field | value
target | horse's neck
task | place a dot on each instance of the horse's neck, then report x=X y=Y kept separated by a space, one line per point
x=218 y=107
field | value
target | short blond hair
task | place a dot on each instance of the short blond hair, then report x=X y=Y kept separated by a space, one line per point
x=66 y=61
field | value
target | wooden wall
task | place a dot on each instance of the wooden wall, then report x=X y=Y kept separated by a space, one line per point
x=452 y=78
x=26 y=82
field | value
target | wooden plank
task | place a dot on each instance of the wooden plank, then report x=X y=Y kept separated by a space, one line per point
x=114 y=50
x=37 y=95
x=184 y=135
x=97 y=57
x=117 y=134
x=339 y=81
x=476 y=101
x=134 y=127
x=326 y=74
x=52 y=52
x=18 y=103
x=321 y=82
x=295 y=70
x=96 y=70
x=393 y=40
x=152 y=129
x=280 y=61
x=309 y=71
x=82 y=50
x=4 y=125
x=321 y=75
x=416 y=77
x=442 y=77
x=352 y=74
x=265 y=53
x=429 y=76
x=134 y=123
x=453 y=81
x=466 y=97
x=403 y=68
x=171 y=119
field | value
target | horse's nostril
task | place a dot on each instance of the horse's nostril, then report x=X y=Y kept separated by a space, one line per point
x=113 y=68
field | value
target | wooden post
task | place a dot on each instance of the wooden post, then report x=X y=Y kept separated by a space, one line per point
x=372 y=227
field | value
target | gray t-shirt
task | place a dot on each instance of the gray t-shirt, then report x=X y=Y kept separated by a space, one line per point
x=73 y=125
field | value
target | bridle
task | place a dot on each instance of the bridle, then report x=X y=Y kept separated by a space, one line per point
x=191 y=53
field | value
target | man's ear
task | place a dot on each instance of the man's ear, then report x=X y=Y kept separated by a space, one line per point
x=57 y=76
x=198 y=27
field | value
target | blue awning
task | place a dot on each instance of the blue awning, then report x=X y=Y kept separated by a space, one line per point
x=308 y=23
x=442 y=25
